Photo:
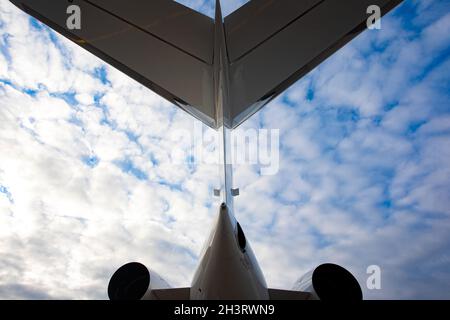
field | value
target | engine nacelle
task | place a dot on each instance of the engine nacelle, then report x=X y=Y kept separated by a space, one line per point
x=134 y=281
x=330 y=282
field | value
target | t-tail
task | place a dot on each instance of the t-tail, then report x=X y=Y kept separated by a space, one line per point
x=220 y=71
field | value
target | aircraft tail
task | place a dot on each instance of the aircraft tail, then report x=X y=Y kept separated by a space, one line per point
x=170 y=48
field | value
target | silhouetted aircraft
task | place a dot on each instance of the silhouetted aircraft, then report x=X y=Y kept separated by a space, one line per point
x=220 y=71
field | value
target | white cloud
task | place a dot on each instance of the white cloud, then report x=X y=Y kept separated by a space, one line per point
x=364 y=173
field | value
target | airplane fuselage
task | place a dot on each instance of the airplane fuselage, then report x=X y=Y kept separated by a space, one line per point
x=228 y=268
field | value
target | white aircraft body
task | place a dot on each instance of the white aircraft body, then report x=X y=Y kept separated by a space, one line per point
x=220 y=71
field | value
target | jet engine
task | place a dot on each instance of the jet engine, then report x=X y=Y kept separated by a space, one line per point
x=329 y=282
x=134 y=281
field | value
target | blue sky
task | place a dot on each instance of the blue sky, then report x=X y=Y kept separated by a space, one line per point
x=88 y=180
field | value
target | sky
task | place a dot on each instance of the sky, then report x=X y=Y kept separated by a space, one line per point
x=93 y=172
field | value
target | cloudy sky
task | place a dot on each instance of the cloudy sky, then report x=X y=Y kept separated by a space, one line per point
x=93 y=172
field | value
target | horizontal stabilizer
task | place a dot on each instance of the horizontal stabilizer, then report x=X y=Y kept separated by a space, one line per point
x=271 y=44
x=162 y=44
x=213 y=69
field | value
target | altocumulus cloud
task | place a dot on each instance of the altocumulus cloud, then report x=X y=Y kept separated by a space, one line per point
x=365 y=176
x=87 y=180
x=87 y=176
